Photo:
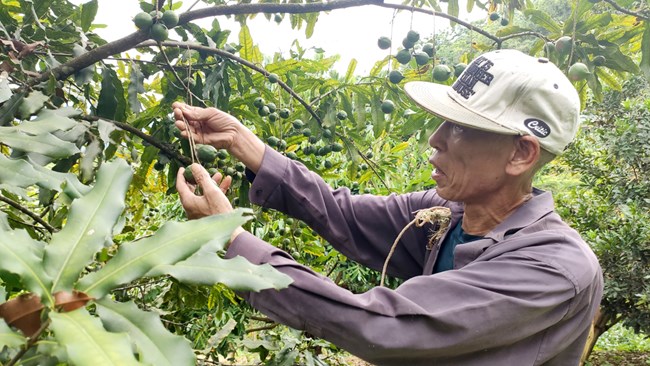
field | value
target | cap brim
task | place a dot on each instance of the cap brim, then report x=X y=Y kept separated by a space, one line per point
x=435 y=99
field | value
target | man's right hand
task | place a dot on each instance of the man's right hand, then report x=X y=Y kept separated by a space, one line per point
x=211 y=126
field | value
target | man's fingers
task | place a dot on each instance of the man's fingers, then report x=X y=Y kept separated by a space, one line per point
x=202 y=178
x=225 y=184
x=182 y=186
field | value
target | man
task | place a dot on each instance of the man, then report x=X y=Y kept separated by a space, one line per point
x=508 y=284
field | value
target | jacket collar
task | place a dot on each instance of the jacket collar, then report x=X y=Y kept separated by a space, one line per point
x=540 y=205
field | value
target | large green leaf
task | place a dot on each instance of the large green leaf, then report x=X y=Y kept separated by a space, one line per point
x=88 y=343
x=175 y=241
x=155 y=344
x=207 y=268
x=8 y=337
x=21 y=173
x=46 y=144
x=48 y=121
x=89 y=226
x=22 y=255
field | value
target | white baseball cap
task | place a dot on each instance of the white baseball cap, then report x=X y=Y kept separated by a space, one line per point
x=509 y=92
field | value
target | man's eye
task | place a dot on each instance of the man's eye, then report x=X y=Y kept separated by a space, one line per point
x=457 y=129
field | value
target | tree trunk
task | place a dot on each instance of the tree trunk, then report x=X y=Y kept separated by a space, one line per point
x=601 y=323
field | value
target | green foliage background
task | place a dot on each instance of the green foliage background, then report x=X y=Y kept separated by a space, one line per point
x=71 y=103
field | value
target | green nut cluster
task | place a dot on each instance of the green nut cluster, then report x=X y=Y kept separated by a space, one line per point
x=157 y=23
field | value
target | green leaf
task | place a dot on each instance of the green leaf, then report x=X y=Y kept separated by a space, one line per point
x=89 y=226
x=88 y=13
x=350 y=73
x=544 y=20
x=453 y=9
x=45 y=144
x=88 y=343
x=48 y=121
x=136 y=86
x=9 y=108
x=155 y=344
x=32 y=104
x=21 y=173
x=644 y=65
x=174 y=241
x=207 y=268
x=8 y=337
x=248 y=49
x=111 y=103
x=22 y=255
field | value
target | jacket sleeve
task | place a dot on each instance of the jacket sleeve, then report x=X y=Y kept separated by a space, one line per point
x=485 y=304
x=362 y=227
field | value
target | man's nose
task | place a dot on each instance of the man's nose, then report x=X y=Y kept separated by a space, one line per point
x=437 y=138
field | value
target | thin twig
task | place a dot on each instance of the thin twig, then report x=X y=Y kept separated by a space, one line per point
x=27 y=212
x=239 y=60
x=32 y=340
x=167 y=149
x=186 y=87
x=266 y=327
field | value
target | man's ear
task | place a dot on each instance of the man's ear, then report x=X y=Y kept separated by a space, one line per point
x=524 y=156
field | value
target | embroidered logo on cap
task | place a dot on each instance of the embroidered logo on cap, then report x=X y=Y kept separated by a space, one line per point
x=476 y=72
x=538 y=127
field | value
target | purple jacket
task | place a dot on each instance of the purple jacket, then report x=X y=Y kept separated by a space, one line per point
x=524 y=295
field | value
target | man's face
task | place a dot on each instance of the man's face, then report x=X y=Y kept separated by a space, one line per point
x=469 y=164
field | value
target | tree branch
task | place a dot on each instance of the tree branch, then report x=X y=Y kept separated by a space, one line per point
x=165 y=148
x=443 y=15
x=27 y=212
x=228 y=55
x=625 y=11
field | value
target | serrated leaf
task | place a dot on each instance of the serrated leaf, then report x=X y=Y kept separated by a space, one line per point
x=175 y=241
x=8 y=337
x=351 y=67
x=543 y=20
x=248 y=49
x=111 y=103
x=31 y=104
x=207 y=268
x=88 y=13
x=89 y=226
x=136 y=86
x=45 y=144
x=21 y=173
x=48 y=121
x=88 y=343
x=609 y=79
x=22 y=255
x=156 y=345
